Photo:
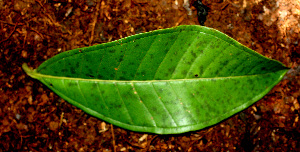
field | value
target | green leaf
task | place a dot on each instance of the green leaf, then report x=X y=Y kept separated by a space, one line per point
x=166 y=81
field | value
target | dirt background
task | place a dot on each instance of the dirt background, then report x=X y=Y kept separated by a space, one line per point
x=33 y=118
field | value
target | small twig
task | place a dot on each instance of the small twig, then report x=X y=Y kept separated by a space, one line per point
x=11 y=23
x=40 y=3
x=149 y=143
x=50 y=18
x=10 y=34
x=45 y=12
x=94 y=24
x=61 y=119
x=179 y=20
x=193 y=142
x=25 y=39
x=113 y=136
x=224 y=5
x=134 y=144
x=41 y=35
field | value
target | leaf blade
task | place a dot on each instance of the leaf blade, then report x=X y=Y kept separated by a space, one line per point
x=172 y=86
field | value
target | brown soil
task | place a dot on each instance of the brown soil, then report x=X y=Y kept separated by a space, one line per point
x=33 y=118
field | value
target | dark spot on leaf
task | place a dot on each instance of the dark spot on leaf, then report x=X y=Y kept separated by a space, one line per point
x=72 y=70
x=154 y=109
x=249 y=98
x=143 y=73
x=120 y=59
x=72 y=84
x=122 y=78
x=158 y=78
x=118 y=106
x=226 y=80
x=151 y=56
x=131 y=74
x=250 y=81
x=171 y=37
x=198 y=112
x=236 y=82
x=193 y=54
x=224 y=63
x=201 y=70
x=196 y=75
x=169 y=102
x=267 y=81
x=137 y=45
x=80 y=51
x=200 y=43
x=51 y=85
x=216 y=73
x=101 y=106
x=263 y=68
x=91 y=76
x=112 y=75
x=99 y=76
x=213 y=46
x=200 y=51
x=112 y=51
x=94 y=85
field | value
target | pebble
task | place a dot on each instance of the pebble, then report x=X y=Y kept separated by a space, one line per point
x=18 y=116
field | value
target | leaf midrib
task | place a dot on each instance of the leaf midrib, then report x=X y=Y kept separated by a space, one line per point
x=34 y=74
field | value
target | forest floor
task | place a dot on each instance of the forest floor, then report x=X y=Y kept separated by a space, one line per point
x=33 y=118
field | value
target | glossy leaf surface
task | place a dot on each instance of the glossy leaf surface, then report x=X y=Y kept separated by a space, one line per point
x=166 y=81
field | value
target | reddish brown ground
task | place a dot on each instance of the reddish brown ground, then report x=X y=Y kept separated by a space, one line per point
x=33 y=118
